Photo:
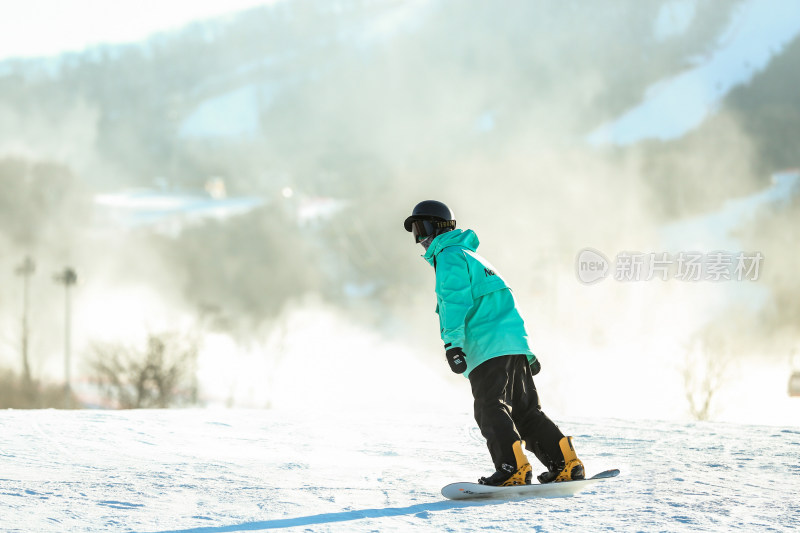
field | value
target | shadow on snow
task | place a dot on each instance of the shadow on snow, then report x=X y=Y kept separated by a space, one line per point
x=344 y=516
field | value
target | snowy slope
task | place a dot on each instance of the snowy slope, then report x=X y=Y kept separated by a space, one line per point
x=758 y=31
x=222 y=471
x=716 y=230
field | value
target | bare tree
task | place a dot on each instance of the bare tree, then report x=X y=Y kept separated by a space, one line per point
x=162 y=375
x=705 y=369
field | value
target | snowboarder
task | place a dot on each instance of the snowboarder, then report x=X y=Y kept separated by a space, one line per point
x=485 y=339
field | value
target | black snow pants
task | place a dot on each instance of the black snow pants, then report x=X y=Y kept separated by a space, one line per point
x=507 y=409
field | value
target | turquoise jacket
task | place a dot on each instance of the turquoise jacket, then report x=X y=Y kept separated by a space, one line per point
x=477 y=311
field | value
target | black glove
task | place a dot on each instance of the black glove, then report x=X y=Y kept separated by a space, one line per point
x=457 y=360
x=536 y=366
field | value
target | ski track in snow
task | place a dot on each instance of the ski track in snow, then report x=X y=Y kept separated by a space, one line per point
x=214 y=471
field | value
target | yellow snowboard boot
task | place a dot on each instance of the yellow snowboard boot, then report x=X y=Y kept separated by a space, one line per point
x=572 y=469
x=508 y=475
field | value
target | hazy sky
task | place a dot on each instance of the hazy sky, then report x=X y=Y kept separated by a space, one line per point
x=48 y=27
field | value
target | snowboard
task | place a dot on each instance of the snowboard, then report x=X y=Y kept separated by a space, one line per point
x=466 y=491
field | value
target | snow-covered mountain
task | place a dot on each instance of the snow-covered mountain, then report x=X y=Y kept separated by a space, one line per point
x=233 y=79
x=757 y=32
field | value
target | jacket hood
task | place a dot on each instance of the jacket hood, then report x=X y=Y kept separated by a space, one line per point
x=461 y=238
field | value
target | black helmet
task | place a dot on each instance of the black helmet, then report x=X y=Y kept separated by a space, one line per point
x=430 y=218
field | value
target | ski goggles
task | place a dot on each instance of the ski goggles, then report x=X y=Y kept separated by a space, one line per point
x=421 y=229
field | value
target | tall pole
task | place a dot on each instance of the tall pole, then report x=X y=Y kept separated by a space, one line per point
x=68 y=278
x=26 y=270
